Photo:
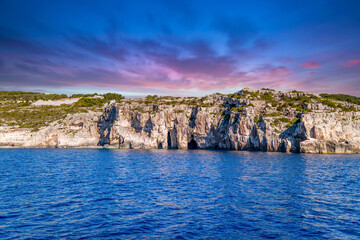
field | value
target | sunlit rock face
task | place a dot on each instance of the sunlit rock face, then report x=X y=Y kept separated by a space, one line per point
x=255 y=120
x=76 y=130
x=330 y=133
x=198 y=128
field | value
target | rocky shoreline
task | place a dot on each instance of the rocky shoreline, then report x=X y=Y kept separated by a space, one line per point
x=254 y=120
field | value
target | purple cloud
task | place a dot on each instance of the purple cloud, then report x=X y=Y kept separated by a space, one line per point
x=311 y=65
x=352 y=62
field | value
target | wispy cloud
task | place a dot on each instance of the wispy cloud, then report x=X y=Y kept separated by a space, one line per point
x=352 y=62
x=155 y=46
x=310 y=65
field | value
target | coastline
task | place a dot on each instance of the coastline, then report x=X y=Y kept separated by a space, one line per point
x=249 y=120
x=164 y=150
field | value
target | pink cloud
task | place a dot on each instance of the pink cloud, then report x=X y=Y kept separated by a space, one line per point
x=130 y=64
x=352 y=62
x=310 y=65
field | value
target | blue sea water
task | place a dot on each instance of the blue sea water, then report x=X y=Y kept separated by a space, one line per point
x=174 y=194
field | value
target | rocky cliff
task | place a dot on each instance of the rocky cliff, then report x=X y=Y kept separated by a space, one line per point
x=76 y=130
x=257 y=120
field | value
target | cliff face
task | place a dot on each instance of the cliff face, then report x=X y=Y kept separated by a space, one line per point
x=76 y=130
x=236 y=122
x=330 y=133
x=168 y=128
x=181 y=128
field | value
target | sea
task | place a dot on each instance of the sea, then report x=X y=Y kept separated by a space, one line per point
x=177 y=194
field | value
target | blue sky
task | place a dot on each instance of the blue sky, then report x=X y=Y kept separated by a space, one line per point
x=179 y=47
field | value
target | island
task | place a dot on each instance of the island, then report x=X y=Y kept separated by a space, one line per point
x=250 y=119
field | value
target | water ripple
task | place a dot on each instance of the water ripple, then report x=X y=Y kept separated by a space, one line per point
x=120 y=194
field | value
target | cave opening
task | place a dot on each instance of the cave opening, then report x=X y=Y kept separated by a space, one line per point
x=192 y=144
x=169 y=140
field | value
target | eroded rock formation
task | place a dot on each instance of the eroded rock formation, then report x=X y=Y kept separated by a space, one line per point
x=76 y=130
x=216 y=121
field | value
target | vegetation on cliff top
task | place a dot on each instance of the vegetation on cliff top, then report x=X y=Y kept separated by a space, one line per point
x=34 y=96
x=342 y=97
x=28 y=96
x=17 y=108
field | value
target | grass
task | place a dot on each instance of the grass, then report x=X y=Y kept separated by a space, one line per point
x=267 y=97
x=36 y=117
x=283 y=119
x=329 y=103
x=34 y=96
x=16 y=108
x=28 y=96
x=342 y=97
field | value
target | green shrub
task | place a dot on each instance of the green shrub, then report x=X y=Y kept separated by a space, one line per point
x=113 y=96
x=329 y=103
x=284 y=119
x=295 y=120
x=89 y=102
x=84 y=95
x=342 y=97
x=275 y=114
x=267 y=97
x=29 y=96
x=298 y=108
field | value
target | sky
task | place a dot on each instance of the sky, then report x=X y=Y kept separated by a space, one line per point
x=180 y=48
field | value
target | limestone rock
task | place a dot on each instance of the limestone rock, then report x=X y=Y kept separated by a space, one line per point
x=219 y=122
x=76 y=130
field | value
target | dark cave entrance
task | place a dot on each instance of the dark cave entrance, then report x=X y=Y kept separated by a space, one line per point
x=192 y=144
x=169 y=140
x=172 y=139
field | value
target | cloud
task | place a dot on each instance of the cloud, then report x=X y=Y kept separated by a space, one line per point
x=175 y=58
x=167 y=60
x=110 y=48
x=270 y=71
x=311 y=65
x=116 y=61
x=352 y=62
x=164 y=61
x=211 y=66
